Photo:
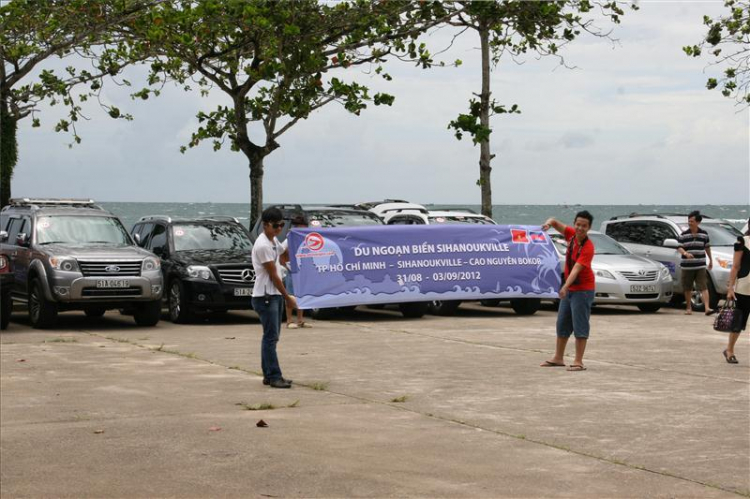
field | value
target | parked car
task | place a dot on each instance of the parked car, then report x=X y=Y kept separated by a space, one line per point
x=445 y=217
x=654 y=236
x=331 y=217
x=70 y=254
x=6 y=284
x=398 y=212
x=622 y=278
x=205 y=262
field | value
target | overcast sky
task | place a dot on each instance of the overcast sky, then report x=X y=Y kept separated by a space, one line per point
x=632 y=124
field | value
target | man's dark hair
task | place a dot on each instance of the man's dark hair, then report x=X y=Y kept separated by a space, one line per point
x=696 y=215
x=271 y=215
x=585 y=215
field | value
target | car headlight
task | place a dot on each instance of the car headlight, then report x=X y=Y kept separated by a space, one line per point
x=150 y=264
x=724 y=263
x=200 y=272
x=64 y=263
x=664 y=273
x=605 y=274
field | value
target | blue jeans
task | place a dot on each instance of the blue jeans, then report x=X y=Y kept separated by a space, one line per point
x=269 y=310
x=574 y=314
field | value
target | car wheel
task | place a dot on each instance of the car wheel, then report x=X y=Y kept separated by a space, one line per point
x=179 y=310
x=413 y=310
x=95 y=312
x=525 y=306
x=489 y=303
x=6 y=307
x=649 y=308
x=444 y=308
x=323 y=314
x=148 y=314
x=42 y=312
x=696 y=301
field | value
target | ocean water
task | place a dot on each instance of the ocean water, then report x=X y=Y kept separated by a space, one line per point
x=502 y=214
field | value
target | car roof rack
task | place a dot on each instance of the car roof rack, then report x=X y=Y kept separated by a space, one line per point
x=55 y=202
x=461 y=210
x=219 y=218
x=655 y=215
x=164 y=218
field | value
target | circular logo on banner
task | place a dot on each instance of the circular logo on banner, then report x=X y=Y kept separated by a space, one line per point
x=314 y=241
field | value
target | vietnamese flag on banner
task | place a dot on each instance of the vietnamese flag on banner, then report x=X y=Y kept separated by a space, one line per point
x=519 y=236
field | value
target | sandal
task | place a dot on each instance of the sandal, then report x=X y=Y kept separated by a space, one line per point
x=548 y=363
x=304 y=324
x=730 y=359
x=576 y=367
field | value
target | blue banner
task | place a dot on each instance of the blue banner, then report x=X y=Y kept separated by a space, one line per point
x=407 y=263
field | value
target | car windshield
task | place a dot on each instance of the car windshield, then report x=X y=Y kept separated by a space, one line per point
x=71 y=229
x=342 y=219
x=458 y=219
x=210 y=236
x=603 y=245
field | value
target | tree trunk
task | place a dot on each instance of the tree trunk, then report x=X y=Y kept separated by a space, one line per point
x=485 y=157
x=256 y=188
x=8 y=151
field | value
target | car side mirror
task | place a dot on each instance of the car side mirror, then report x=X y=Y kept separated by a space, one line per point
x=137 y=239
x=3 y=236
x=22 y=239
x=671 y=243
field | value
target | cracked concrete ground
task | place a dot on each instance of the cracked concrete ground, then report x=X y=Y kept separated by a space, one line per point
x=101 y=408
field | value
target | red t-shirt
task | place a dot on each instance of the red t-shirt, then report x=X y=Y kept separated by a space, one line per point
x=585 y=281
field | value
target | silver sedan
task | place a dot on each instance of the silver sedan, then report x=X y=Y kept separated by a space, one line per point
x=623 y=278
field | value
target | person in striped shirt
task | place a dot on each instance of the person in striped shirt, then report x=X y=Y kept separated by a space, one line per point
x=696 y=258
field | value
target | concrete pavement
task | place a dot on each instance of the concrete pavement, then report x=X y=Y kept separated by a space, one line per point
x=382 y=406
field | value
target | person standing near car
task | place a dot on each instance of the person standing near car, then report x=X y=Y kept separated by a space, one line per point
x=738 y=289
x=269 y=295
x=577 y=292
x=694 y=248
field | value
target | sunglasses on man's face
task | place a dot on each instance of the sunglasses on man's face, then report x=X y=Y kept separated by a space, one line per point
x=278 y=225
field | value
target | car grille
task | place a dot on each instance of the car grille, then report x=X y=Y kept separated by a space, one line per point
x=99 y=268
x=110 y=293
x=635 y=276
x=642 y=296
x=233 y=275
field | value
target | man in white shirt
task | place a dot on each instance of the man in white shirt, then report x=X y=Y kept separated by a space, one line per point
x=269 y=295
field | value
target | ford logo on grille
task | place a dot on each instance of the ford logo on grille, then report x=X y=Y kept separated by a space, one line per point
x=247 y=275
x=112 y=268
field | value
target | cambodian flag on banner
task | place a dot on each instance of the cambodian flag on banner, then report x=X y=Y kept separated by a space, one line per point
x=537 y=237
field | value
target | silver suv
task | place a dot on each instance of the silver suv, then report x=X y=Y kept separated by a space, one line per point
x=70 y=254
x=655 y=236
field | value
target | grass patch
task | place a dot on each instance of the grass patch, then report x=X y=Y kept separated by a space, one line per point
x=61 y=340
x=256 y=407
x=294 y=404
x=319 y=386
x=159 y=348
x=400 y=400
x=145 y=338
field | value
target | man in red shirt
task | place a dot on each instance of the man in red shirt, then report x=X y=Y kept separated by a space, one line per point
x=577 y=292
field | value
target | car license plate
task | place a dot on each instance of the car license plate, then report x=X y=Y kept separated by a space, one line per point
x=243 y=291
x=112 y=283
x=642 y=288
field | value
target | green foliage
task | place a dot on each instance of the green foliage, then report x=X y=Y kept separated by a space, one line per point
x=277 y=62
x=471 y=123
x=728 y=39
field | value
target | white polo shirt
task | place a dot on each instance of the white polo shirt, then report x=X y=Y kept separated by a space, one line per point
x=264 y=251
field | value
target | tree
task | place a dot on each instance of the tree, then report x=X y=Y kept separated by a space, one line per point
x=277 y=62
x=515 y=27
x=35 y=31
x=728 y=39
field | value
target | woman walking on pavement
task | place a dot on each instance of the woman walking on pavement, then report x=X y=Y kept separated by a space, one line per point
x=739 y=290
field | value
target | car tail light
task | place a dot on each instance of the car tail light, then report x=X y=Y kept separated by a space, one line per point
x=4 y=267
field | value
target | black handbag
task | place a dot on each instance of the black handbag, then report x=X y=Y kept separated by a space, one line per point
x=728 y=319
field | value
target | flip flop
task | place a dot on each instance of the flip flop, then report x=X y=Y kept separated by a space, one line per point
x=730 y=360
x=551 y=364
x=576 y=367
